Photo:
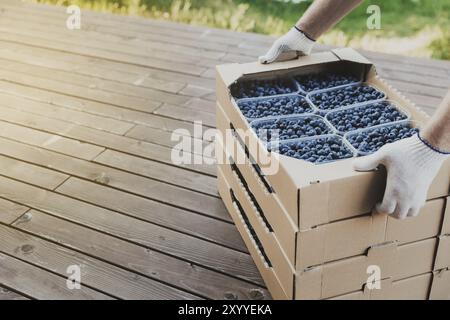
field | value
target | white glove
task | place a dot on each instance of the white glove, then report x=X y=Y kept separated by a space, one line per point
x=293 y=41
x=411 y=167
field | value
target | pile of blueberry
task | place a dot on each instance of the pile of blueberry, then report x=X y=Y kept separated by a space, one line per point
x=318 y=150
x=313 y=82
x=370 y=140
x=345 y=96
x=262 y=88
x=277 y=106
x=290 y=128
x=365 y=116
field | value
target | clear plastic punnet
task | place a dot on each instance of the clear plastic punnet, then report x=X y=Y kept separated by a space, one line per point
x=322 y=74
x=243 y=105
x=267 y=134
x=321 y=110
x=350 y=137
x=290 y=83
x=383 y=105
x=302 y=147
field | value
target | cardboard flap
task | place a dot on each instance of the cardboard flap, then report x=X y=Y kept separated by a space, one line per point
x=446 y=221
x=426 y=225
x=385 y=256
x=385 y=288
x=349 y=54
x=309 y=284
x=440 y=289
x=443 y=253
x=232 y=72
x=315 y=199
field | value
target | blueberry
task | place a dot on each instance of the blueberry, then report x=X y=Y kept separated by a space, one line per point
x=261 y=88
x=345 y=96
x=370 y=140
x=320 y=81
x=307 y=126
x=254 y=109
x=316 y=150
x=365 y=116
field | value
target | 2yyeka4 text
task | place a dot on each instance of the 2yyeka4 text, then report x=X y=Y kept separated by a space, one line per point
x=226 y=309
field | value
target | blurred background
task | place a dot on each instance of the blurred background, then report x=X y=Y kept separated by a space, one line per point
x=418 y=28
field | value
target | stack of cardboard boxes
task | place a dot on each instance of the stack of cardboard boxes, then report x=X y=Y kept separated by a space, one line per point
x=311 y=229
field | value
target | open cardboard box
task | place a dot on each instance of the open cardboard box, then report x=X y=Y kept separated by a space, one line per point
x=331 y=279
x=313 y=195
x=336 y=240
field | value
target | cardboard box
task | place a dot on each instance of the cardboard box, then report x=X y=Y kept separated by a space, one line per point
x=440 y=289
x=313 y=195
x=395 y=261
x=432 y=286
x=256 y=251
x=414 y=288
x=327 y=242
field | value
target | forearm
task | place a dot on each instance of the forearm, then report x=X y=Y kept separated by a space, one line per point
x=437 y=131
x=324 y=14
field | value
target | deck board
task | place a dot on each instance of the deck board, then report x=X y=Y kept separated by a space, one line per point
x=86 y=177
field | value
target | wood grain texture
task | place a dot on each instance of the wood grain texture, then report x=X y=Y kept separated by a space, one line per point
x=86 y=170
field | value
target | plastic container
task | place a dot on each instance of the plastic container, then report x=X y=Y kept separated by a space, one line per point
x=349 y=135
x=294 y=87
x=322 y=111
x=305 y=92
x=275 y=146
x=239 y=103
x=267 y=121
x=362 y=106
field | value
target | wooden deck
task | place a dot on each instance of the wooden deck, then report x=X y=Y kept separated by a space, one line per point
x=86 y=176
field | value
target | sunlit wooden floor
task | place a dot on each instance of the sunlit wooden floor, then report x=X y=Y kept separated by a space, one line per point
x=86 y=177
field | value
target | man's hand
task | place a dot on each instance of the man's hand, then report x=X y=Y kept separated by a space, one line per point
x=411 y=167
x=294 y=42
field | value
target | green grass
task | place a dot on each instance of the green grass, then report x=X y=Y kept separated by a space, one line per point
x=423 y=23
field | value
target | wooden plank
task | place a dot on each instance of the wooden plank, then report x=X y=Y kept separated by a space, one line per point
x=117 y=49
x=6 y=294
x=152 y=189
x=175 y=30
x=177 y=176
x=49 y=141
x=169 y=217
x=91 y=24
x=99 y=68
x=30 y=173
x=95 y=273
x=176 y=112
x=40 y=284
x=134 y=103
x=24 y=37
x=101 y=109
x=102 y=85
x=192 y=249
x=149 y=24
x=102 y=138
x=26 y=24
x=165 y=138
x=153 y=264
x=10 y=211
x=55 y=112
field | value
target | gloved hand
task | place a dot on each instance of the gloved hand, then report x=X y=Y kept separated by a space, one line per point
x=293 y=41
x=411 y=167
